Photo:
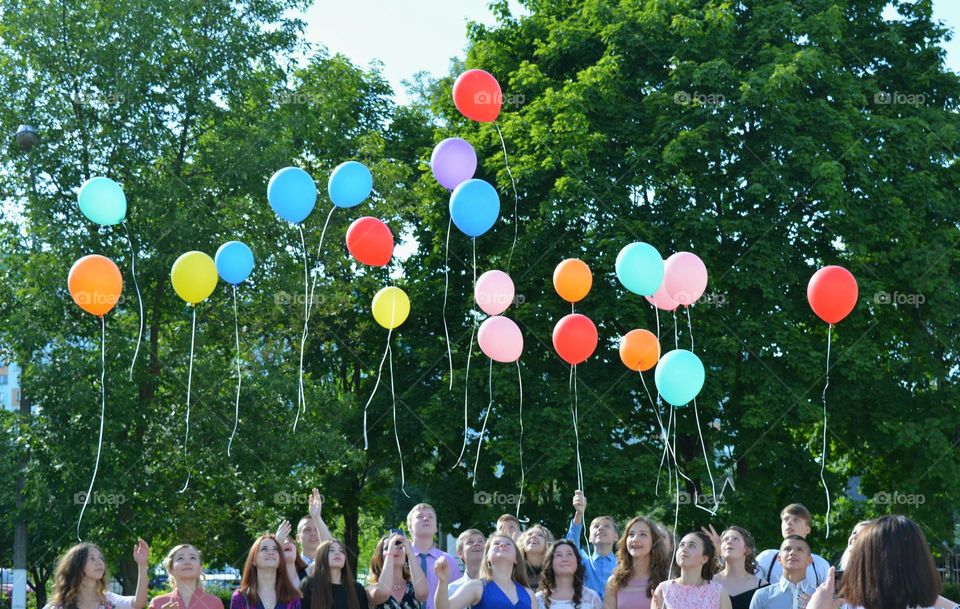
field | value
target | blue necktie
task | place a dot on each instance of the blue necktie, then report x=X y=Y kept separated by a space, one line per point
x=423 y=563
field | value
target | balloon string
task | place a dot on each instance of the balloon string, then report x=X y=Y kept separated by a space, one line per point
x=656 y=312
x=676 y=339
x=466 y=382
x=375 y=386
x=136 y=286
x=574 y=407
x=236 y=406
x=706 y=460
x=676 y=465
x=656 y=411
x=103 y=408
x=484 y=428
x=396 y=434
x=186 y=434
x=316 y=267
x=690 y=329
x=446 y=288
x=301 y=397
x=516 y=199
x=823 y=454
x=522 y=472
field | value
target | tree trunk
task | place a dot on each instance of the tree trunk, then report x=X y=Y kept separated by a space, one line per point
x=128 y=576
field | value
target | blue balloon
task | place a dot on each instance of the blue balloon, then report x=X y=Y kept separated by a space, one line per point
x=292 y=194
x=102 y=200
x=474 y=207
x=234 y=261
x=640 y=268
x=679 y=376
x=349 y=184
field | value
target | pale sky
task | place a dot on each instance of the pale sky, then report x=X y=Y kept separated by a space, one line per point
x=409 y=36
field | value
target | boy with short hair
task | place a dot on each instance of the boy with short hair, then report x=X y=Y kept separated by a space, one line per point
x=470 y=546
x=603 y=535
x=509 y=525
x=792 y=591
x=795 y=519
x=422 y=525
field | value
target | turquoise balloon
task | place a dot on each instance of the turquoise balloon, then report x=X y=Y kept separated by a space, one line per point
x=474 y=207
x=679 y=376
x=234 y=261
x=640 y=268
x=349 y=184
x=102 y=201
x=292 y=193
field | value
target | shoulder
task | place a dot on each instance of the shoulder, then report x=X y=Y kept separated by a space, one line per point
x=161 y=600
x=662 y=586
x=766 y=554
x=820 y=561
x=118 y=600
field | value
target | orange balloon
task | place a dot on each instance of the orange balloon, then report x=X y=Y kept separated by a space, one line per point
x=572 y=279
x=639 y=350
x=95 y=284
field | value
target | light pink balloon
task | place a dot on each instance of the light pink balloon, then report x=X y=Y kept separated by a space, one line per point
x=500 y=339
x=662 y=300
x=494 y=292
x=685 y=277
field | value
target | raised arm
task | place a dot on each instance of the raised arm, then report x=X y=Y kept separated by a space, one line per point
x=141 y=553
x=420 y=586
x=380 y=593
x=469 y=594
x=316 y=507
x=576 y=525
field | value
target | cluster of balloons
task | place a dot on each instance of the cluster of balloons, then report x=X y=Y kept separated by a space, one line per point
x=499 y=337
x=94 y=281
x=575 y=335
x=681 y=279
x=292 y=193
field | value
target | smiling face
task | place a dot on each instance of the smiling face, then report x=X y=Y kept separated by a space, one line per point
x=535 y=541
x=472 y=551
x=94 y=567
x=690 y=552
x=602 y=531
x=564 y=560
x=268 y=554
x=184 y=564
x=639 y=540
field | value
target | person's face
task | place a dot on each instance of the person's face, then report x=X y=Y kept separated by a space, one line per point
x=423 y=523
x=186 y=564
x=853 y=535
x=502 y=549
x=95 y=567
x=564 y=560
x=794 y=555
x=396 y=550
x=639 y=540
x=602 y=531
x=535 y=541
x=308 y=536
x=690 y=552
x=268 y=555
x=336 y=558
x=793 y=525
x=290 y=550
x=509 y=528
x=732 y=545
x=472 y=551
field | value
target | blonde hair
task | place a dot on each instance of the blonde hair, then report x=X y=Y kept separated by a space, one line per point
x=519 y=574
x=417 y=508
x=168 y=564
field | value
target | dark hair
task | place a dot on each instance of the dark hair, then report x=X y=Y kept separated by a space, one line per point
x=660 y=552
x=284 y=588
x=799 y=510
x=891 y=567
x=750 y=559
x=69 y=575
x=321 y=593
x=548 y=581
x=797 y=538
x=377 y=562
x=710 y=551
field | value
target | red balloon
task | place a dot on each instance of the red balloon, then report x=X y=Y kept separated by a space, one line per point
x=477 y=95
x=370 y=241
x=575 y=338
x=832 y=293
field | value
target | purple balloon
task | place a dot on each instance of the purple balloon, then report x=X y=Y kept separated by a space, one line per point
x=453 y=161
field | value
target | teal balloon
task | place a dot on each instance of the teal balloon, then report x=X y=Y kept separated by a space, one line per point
x=292 y=193
x=350 y=184
x=102 y=201
x=640 y=268
x=234 y=261
x=474 y=207
x=679 y=376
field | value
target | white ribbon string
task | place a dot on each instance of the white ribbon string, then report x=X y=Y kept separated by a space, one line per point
x=136 y=286
x=484 y=428
x=446 y=289
x=103 y=409
x=236 y=406
x=186 y=434
x=301 y=397
x=396 y=434
x=375 y=386
x=516 y=199
x=823 y=453
x=522 y=473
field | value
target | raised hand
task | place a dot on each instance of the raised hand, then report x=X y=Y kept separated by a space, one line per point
x=579 y=502
x=315 y=504
x=283 y=531
x=823 y=598
x=714 y=537
x=141 y=552
x=442 y=569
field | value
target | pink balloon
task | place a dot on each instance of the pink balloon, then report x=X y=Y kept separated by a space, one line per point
x=494 y=292
x=662 y=300
x=500 y=339
x=685 y=278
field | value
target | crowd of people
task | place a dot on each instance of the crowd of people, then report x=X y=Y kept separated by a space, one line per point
x=887 y=565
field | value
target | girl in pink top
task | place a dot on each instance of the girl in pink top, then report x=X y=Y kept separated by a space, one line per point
x=695 y=588
x=184 y=565
x=643 y=561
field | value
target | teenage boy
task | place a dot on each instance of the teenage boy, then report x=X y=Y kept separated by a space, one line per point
x=312 y=530
x=795 y=519
x=508 y=525
x=422 y=524
x=603 y=535
x=470 y=550
x=792 y=591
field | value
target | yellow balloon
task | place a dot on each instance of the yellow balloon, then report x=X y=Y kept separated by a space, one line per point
x=391 y=306
x=194 y=276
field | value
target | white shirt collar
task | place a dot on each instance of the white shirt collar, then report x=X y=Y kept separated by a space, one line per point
x=785 y=584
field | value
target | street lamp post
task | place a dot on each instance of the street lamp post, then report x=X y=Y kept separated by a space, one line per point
x=27 y=138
